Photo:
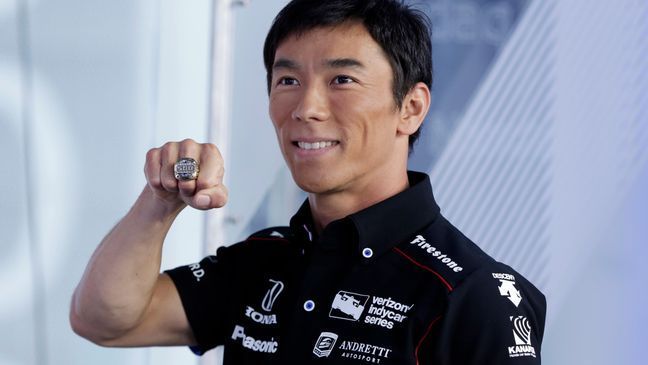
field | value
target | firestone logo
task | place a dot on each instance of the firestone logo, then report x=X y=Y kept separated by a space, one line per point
x=422 y=243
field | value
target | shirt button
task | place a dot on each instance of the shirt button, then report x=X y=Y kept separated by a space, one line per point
x=309 y=305
x=367 y=252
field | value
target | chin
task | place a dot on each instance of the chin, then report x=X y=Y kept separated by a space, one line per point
x=311 y=185
x=313 y=182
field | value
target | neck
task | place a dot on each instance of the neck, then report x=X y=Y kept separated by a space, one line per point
x=331 y=206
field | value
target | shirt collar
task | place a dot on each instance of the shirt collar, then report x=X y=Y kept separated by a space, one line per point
x=380 y=226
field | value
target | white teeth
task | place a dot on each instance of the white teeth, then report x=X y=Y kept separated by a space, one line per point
x=315 y=145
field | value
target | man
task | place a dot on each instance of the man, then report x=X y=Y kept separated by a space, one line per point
x=368 y=270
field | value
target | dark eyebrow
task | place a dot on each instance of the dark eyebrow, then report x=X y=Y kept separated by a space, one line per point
x=285 y=63
x=344 y=62
x=333 y=63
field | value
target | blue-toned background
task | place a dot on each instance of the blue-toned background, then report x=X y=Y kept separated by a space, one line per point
x=537 y=145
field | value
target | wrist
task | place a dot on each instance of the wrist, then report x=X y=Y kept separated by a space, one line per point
x=157 y=207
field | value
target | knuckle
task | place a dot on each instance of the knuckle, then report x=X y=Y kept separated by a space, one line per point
x=207 y=182
x=187 y=142
x=152 y=153
x=186 y=186
x=210 y=149
x=169 y=183
x=155 y=182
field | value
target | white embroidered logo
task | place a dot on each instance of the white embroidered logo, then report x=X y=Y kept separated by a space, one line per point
x=325 y=344
x=507 y=288
x=347 y=305
x=522 y=337
x=271 y=295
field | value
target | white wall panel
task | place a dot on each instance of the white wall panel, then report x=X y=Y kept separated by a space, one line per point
x=546 y=166
x=16 y=294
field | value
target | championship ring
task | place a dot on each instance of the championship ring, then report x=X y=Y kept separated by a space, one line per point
x=186 y=169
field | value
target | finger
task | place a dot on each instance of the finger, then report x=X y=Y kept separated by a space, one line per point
x=211 y=167
x=214 y=197
x=169 y=155
x=152 y=168
x=188 y=149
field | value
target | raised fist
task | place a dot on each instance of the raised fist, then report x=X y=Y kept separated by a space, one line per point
x=205 y=192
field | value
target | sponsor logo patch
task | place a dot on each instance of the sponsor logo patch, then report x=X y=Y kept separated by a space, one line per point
x=325 y=344
x=434 y=252
x=197 y=271
x=347 y=305
x=385 y=312
x=522 y=338
x=381 y=312
x=349 y=349
x=507 y=288
x=363 y=351
x=271 y=295
x=260 y=317
x=268 y=301
x=267 y=346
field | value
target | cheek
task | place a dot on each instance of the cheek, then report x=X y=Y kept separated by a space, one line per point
x=278 y=112
x=374 y=123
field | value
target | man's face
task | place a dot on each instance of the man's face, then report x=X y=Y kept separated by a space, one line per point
x=332 y=107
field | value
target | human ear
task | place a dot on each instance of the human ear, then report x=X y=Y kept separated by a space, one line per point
x=414 y=109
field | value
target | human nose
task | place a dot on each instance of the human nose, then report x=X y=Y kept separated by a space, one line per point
x=312 y=107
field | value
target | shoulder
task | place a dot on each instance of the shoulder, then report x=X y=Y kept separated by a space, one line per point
x=465 y=269
x=488 y=303
x=266 y=245
x=443 y=249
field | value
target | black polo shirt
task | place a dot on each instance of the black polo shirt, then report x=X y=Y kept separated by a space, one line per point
x=395 y=283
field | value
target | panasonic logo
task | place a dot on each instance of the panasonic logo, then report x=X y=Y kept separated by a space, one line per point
x=249 y=342
x=423 y=245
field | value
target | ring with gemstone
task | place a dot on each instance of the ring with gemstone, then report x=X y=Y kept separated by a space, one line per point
x=186 y=169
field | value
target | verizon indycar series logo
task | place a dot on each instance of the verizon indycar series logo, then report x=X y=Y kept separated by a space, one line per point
x=347 y=305
x=522 y=338
x=383 y=312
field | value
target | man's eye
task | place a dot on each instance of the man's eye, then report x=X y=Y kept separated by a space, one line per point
x=287 y=81
x=342 y=79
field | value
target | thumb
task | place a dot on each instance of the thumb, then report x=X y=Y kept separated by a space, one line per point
x=213 y=197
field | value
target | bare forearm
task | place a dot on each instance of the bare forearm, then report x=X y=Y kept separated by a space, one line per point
x=119 y=280
x=122 y=299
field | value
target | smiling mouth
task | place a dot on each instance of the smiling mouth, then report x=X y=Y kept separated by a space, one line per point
x=315 y=145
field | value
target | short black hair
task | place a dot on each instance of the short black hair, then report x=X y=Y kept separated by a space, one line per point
x=403 y=34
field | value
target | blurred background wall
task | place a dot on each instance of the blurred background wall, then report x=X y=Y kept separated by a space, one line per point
x=537 y=145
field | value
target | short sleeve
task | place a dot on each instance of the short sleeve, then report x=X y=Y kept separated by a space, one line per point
x=494 y=317
x=203 y=289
